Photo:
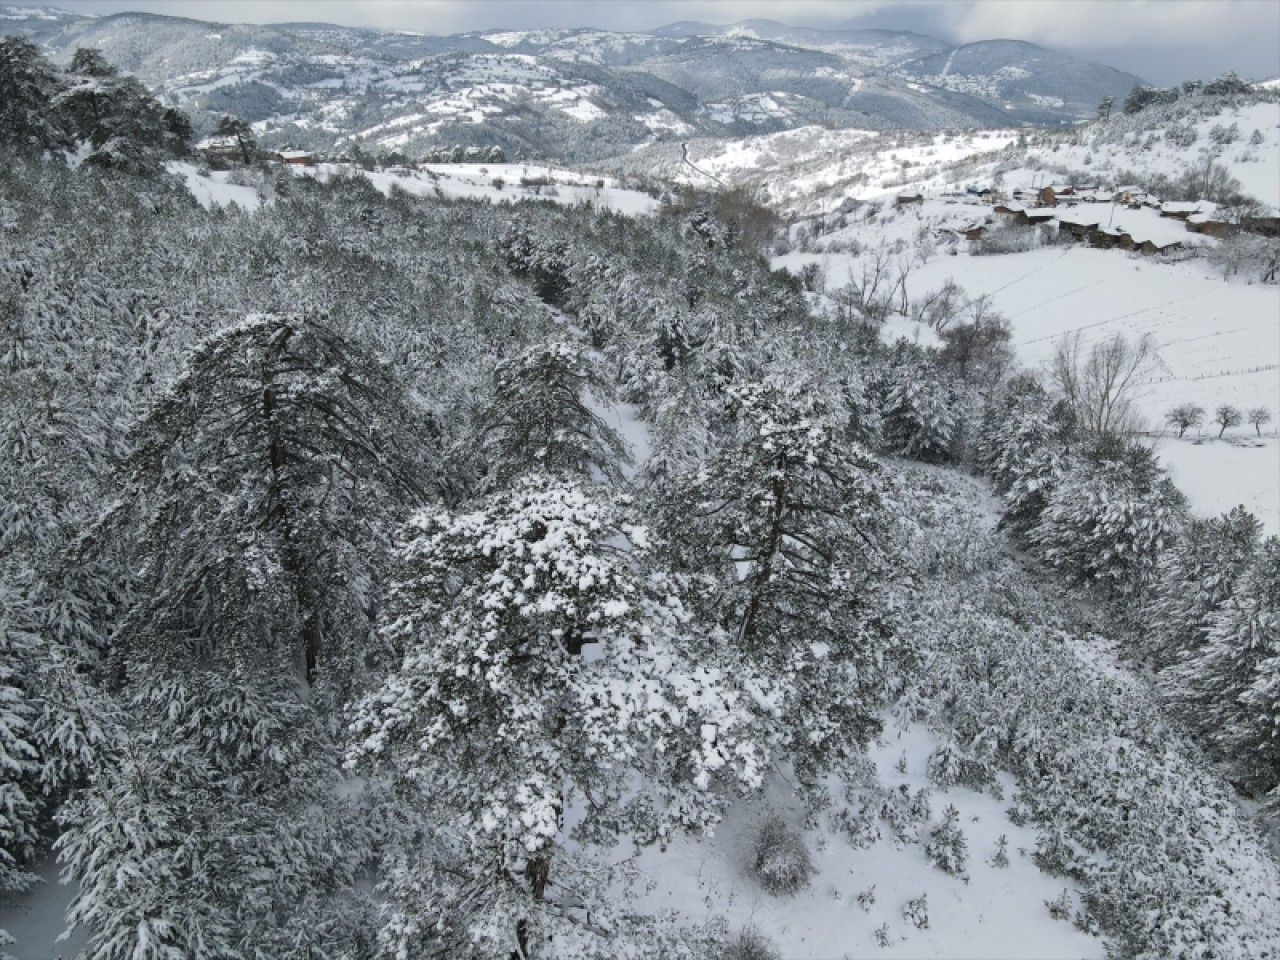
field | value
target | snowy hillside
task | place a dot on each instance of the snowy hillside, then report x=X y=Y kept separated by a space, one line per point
x=822 y=544
x=576 y=95
x=1219 y=343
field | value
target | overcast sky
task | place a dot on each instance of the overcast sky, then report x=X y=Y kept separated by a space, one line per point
x=1164 y=41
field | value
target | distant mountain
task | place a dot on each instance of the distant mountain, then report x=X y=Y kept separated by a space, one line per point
x=872 y=49
x=1032 y=83
x=572 y=94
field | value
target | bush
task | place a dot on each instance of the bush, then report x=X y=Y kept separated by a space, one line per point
x=749 y=944
x=917 y=912
x=782 y=861
x=946 y=847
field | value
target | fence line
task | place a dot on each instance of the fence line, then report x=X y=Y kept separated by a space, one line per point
x=1220 y=373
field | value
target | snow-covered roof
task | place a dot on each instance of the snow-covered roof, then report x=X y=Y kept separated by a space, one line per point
x=1181 y=206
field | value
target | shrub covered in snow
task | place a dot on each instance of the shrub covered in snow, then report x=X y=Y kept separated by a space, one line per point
x=946 y=847
x=782 y=861
x=748 y=944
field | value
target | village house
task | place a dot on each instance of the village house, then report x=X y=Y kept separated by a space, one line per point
x=299 y=157
x=1152 y=247
x=221 y=150
x=1106 y=238
x=1179 y=210
x=911 y=196
x=1211 y=225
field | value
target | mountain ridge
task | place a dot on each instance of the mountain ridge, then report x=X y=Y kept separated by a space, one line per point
x=574 y=94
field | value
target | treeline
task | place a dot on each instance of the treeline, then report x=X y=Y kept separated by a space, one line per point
x=117 y=120
x=1200 y=597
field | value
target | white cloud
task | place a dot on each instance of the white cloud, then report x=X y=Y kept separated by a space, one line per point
x=1104 y=24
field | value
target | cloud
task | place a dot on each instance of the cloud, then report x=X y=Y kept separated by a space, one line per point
x=1103 y=24
x=461 y=16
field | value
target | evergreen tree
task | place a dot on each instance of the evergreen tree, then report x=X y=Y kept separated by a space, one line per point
x=539 y=418
x=499 y=718
x=264 y=483
x=1222 y=691
x=787 y=527
x=218 y=828
x=1253 y=741
x=19 y=760
x=126 y=126
x=1193 y=579
x=918 y=406
x=239 y=131
x=29 y=85
x=1023 y=448
x=1111 y=516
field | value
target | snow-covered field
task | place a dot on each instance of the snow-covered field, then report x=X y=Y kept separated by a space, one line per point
x=1218 y=343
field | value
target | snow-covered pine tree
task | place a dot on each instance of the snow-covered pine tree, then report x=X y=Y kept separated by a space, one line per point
x=544 y=668
x=19 y=760
x=1225 y=690
x=539 y=418
x=218 y=828
x=255 y=518
x=1254 y=740
x=1111 y=516
x=1193 y=579
x=1023 y=449
x=264 y=487
x=946 y=847
x=28 y=86
x=126 y=126
x=918 y=405
x=786 y=528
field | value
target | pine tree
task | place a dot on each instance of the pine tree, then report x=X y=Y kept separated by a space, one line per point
x=946 y=847
x=255 y=519
x=918 y=406
x=539 y=418
x=499 y=716
x=29 y=123
x=1193 y=579
x=264 y=486
x=1111 y=516
x=127 y=127
x=787 y=528
x=1253 y=741
x=1221 y=691
x=217 y=829
x=1023 y=448
x=19 y=759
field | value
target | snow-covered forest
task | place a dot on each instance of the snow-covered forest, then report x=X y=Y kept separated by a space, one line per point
x=386 y=575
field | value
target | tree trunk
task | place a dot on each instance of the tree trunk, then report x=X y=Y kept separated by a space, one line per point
x=747 y=634
x=291 y=560
x=536 y=871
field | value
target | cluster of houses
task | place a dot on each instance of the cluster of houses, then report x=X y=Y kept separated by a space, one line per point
x=1090 y=214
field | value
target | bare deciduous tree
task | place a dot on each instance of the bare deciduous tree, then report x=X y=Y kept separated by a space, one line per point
x=1258 y=416
x=1227 y=416
x=1102 y=383
x=1184 y=416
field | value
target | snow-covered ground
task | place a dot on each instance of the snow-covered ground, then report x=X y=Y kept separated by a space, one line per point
x=37 y=918
x=1218 y=341
x=214 y=189
x=997 y=913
